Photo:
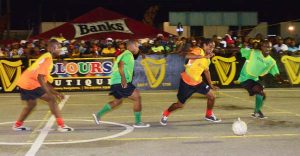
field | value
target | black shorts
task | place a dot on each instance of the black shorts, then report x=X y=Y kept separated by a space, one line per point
x=118 y=92
x=185 y=91
x=249 y=84
x=31 y=94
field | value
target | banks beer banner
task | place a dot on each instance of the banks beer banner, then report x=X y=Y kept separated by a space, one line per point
x=118 y=25
x=101 y=23
x=84 y=74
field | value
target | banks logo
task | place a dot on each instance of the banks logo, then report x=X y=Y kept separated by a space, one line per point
x=155 y=71
x=118 y=25
x=10 y=72
x=226 y=68
x=292 y=67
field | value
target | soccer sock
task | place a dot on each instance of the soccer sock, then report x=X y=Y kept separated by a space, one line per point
x=106 y=108
x=258 y=102
x=137 y=116
x=60 y=122
x=208 y=112
x=19 y=123
x=166 y=113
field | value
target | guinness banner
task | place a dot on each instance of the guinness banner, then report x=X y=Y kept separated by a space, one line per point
x=10 y=71
x=158 y=72
x=155 y=72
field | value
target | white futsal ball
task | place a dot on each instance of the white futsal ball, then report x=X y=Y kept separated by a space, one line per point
x=239 y=127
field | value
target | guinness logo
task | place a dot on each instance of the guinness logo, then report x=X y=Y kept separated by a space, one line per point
x=118 y=25
x=292 y=67
x=155 y=71
x=226 y=68
x=9 y=74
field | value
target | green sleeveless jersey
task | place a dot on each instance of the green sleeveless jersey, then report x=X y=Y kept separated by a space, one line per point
x=256 y=65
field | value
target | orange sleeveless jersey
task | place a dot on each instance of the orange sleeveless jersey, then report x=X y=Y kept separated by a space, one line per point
x=43 y=65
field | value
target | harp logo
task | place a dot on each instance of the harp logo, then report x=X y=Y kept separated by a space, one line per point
x=9 y=74
x=155 y=71
x=292 y=67
x=226 y=68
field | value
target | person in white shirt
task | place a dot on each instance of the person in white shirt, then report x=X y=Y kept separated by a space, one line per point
x=280 y=47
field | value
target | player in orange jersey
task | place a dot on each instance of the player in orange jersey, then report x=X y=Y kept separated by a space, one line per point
x=34 y=84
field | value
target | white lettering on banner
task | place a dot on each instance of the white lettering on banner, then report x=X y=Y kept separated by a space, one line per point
x=69 y=82
x=57 y=82
x=118 y=25
x=78 y=83
x=99 y=81
x=88 y=82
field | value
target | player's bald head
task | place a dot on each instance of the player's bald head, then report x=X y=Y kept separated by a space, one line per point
x=54 y=46
x=132 y=45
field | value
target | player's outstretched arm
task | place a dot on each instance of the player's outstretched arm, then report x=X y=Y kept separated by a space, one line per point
x=44 y=85
x=280 y=80
x=193 y=56
x=208 y=78
x=49 y=89
x=56 y=93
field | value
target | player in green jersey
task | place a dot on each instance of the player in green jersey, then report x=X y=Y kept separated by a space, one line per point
x=258 y=63
x=122 y=87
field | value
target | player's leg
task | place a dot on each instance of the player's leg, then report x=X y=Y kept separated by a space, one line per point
x=210 y=116
x=30 y=105
x=30 y=97
x=118 y=92
x=106 y=108
x=185 y=91
x=54 y=108
x=255 y=88
x=259 y=101
x=204 y=89
x=137 y=108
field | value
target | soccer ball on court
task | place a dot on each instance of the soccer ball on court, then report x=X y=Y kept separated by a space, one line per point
x=239 y=127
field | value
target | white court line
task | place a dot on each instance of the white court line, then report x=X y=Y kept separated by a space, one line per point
x=44 y=132
x=156 y=92
x=127 y=130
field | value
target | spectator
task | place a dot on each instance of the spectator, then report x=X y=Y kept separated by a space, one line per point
x=292 y=48
x=121 y=47
x=229 y=41
x=109 y=50
x=157 y=48
x=280 y=47
x=2 y=53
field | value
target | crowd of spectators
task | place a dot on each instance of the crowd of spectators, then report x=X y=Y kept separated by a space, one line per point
x=161 y=45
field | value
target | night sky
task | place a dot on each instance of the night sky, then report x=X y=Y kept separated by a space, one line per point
x=26 y=13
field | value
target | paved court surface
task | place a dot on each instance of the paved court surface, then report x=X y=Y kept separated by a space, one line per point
x=186 y=134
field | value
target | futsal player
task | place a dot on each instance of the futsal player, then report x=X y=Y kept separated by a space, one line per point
x=34 y=85
x=191 y=82
x=122 y=87
x=258 y=63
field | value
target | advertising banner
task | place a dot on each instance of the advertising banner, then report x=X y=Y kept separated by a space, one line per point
x=82 y=74
x=154 y=72
x=158 y=72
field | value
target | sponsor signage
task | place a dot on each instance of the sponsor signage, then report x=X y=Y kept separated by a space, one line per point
x=155 y=72
x=85 y=74
x=118 y=25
